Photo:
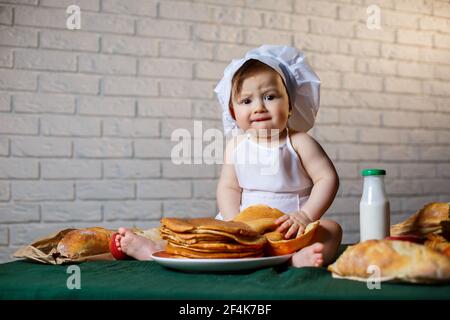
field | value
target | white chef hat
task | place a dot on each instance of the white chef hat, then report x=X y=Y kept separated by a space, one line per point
x=303 y=85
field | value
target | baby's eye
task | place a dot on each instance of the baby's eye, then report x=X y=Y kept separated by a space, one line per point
x=245 y=101
x=270 y=97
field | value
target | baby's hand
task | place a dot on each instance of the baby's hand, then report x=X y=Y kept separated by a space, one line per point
x=294 y=223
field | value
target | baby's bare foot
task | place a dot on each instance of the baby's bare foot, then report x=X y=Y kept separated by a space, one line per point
x=135 y=246
x=310 y=256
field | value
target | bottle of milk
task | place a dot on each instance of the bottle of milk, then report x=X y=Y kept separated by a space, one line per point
x=374 y=210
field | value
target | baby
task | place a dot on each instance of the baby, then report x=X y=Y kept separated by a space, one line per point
x=269 y=100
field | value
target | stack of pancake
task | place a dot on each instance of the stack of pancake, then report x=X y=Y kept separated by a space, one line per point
x=207 y=238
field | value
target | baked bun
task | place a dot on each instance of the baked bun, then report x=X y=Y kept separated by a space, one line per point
x=84 y=242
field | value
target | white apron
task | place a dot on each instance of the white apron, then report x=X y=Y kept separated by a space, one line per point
x=271 y=176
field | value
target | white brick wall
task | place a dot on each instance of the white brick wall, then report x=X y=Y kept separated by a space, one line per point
x=86 y=115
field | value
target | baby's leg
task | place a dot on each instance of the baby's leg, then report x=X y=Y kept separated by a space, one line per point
x=325 y=245
x=134 y=245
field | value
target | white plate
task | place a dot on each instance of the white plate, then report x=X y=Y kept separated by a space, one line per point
x=217 y=265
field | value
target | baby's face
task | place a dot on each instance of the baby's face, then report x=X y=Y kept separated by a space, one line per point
x=263 y=102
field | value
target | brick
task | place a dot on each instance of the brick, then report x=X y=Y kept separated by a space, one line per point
x=237 y=16
x=435 y=153
x=129 y=45
x=435 y=186
x=42 y=17
x=4 y=146
x=434 y=23
x=300 y=23
x=6 y=58
x=403 y=85
x=349 y=12
x=332 y=27
x=421 y=38
x=135 y=128
x=443 y=170
x=6 y=15
x=39 y=191
x=106 y=64
x=435 y=120
x=349 y=187
x=185 y=11
x=330 y=80
x=130 y=86
x=439 y=88
x=92 y=5
x=441 y=72
x=316 y=8
x=261 y=36
x=205 y=189
x=403 y=187
x=375 y=100
x=209 y=70
x=4 y=236
x=5 y=193
x=164 y=28
x=418 y=103
x=125 y=169
x=164 y=189
x=166 y=68
x=360 y=117
x=107 y=23
x=419 y=6
x=401 y=153
x=320 y=43
x=104 y=106
x=336 y=134
x=433 y=55
x=189 y=208
x=401 y=119
x=170 y=125
x=400 y=52
x=5 y=101
x=44 y=103
x=186 y=89
x=380 y=135
x=443 y=137
x=17 y=80
x=11 y=168
x=333 y=62
x=414 y=70
x=337 y=99
x=171 y=170
x=417 y=170
x=399 y=19
x=41 y=147
x=133 y=210
x=75 y=211
x=182 y=49
x=359 y=47
x=138 y=7
x=347 y=170
x=104 y=190
x=69 y=40
x=418 y=136
x=282 y=5
x=383 y=35
x=102 y=148
x=69 y=83
x=19 y=212
x=70 y=169
x=222 y=33
x=377 y=66
x=277 y=20
x=362 y=82
x=18 y=124
x=441 y=9
x=226 y=52
x=153 y=148
x=358 y=152
x=45 y=60
x=69 y=126
x=160 y=107
x=207 y=110
x=328 y=116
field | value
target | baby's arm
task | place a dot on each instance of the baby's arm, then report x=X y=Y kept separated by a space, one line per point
x=228 y=190
x=322 y=173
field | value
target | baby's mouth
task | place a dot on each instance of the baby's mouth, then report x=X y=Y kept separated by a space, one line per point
x=262 y=119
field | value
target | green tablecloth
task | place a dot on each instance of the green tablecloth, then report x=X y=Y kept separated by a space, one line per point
x=149 y=280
